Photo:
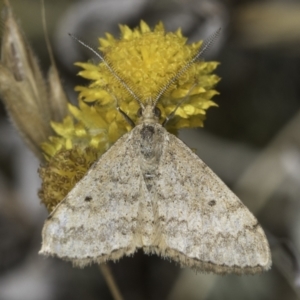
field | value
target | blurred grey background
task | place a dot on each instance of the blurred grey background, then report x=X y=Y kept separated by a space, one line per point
x=252 y=141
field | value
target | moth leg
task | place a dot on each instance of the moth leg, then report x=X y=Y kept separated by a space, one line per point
x=172 y=114
x=126 y=117
x=123 y=113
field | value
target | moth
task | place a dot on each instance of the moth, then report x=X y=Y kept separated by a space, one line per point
x=150 y=191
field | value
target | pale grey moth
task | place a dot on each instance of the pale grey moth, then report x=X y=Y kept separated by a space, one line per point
x=150 y=191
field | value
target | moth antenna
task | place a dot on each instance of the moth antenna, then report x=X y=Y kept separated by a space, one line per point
x=110 y=68
x=206 y=44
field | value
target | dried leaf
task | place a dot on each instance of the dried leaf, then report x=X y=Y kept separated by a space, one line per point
x=24 y=92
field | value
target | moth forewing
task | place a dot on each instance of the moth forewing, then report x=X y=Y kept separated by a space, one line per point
x=151 y=191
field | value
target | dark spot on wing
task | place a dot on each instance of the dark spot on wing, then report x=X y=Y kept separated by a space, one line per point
x=212 y=202
x=88 y=198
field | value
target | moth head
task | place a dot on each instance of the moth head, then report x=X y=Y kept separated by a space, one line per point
x=148 y=113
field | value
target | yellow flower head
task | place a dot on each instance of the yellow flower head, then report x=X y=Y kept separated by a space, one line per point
x=145 y=61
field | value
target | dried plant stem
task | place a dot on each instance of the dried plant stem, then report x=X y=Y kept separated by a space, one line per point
x=110 y=281
x=46 y=34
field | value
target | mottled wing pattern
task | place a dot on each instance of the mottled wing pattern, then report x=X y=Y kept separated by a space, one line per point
x=202 y=224
x=98 y=219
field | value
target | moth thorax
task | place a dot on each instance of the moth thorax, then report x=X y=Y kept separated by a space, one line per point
x=148 y=114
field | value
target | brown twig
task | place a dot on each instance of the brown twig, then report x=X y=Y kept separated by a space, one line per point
x=110 y=281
